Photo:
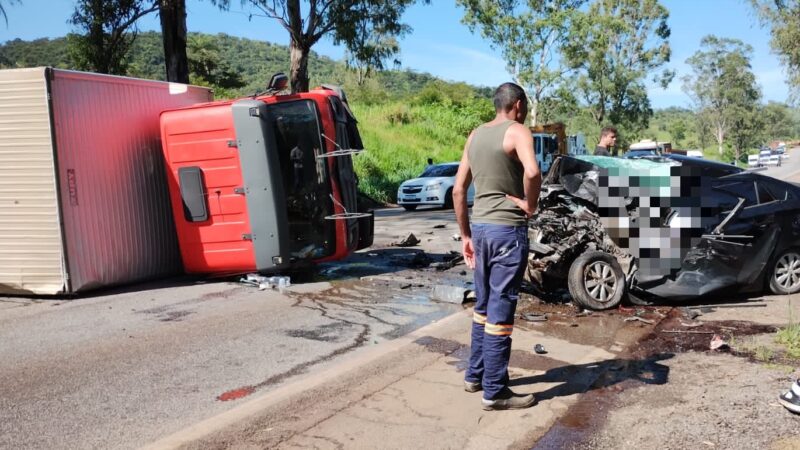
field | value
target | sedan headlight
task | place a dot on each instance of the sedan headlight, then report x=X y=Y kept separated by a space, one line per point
x=433 y=187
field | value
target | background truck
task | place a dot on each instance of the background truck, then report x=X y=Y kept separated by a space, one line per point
x=551 y=140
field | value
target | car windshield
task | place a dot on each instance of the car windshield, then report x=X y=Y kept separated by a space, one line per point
x=448 y=170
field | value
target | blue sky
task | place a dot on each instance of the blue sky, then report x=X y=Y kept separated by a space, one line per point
x=443 y=46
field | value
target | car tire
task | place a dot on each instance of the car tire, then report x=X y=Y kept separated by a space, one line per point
x=448 y=199
x=410 y=207
x=784 y=275
x=596 y=281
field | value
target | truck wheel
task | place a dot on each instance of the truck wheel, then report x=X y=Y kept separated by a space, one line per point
x=784 y=277
x=448 y=199
x=596 y=281
x=410 y=207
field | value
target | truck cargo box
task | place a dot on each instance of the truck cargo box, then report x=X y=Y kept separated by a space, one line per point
x=83 y=195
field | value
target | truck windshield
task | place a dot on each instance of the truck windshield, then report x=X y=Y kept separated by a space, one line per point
x=305 y=178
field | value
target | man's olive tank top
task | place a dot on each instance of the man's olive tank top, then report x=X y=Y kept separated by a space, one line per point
x=495 y=174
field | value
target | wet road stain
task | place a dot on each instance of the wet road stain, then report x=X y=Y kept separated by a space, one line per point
x=324 y=333
x=299 y=369
x=175 y=316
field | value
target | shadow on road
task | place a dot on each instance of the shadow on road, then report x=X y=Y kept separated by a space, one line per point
x=580 y=378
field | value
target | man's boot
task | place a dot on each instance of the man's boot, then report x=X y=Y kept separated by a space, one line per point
x=507 y=399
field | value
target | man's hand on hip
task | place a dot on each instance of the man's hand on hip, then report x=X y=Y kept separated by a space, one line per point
x=523 y=205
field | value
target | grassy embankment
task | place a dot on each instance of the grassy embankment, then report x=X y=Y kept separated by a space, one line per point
x=400 y=137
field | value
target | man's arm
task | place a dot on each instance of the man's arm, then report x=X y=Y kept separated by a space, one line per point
x=463 y=180
x=532 y=177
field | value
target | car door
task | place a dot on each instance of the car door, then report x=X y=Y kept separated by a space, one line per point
x=741 y=234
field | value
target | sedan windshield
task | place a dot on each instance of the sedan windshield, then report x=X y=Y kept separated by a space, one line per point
x=448 y=170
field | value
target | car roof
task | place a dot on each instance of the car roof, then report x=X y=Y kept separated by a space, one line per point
x=713 y=168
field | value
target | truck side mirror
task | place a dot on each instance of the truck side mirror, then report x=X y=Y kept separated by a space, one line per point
x=278 y=82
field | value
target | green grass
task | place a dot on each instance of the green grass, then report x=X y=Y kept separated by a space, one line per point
x=789 y=337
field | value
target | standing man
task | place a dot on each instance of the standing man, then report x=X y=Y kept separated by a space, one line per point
x=608 y=138
x=499 y=158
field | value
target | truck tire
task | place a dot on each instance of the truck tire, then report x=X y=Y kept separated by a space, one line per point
x=596 y=281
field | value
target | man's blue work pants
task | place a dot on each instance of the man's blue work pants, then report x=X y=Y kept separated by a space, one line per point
x=501 y=255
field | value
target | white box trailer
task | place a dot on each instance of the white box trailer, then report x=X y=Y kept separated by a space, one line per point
x=83 y=195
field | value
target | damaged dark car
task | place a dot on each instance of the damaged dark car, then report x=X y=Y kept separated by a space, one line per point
x=671 y=228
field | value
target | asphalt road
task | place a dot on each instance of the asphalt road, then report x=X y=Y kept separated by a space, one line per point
x=122 y=368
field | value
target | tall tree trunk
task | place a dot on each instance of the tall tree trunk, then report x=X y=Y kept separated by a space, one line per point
x=720 y=139
x=298 y=69
x=534 y=111
x=173 y=33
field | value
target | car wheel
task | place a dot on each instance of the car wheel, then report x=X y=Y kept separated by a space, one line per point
x=596 y=281
x=448 y=199
x=785 y=275
x=410 y=207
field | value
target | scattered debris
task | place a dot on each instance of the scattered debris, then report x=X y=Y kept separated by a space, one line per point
x=454 y=260
x=264 y=283
x=533 y=317
x=584 y=313
x=441 y=225
x=539 y=349
x=405 y=286
x=717 y=343
x=639 y=319
x=690 y=313
x=409 y=241
x=456 y=237
x=450 y=294
x=691 y=325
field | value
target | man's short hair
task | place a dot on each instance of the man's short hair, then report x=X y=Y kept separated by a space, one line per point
x=608 y=130
x=506 y=95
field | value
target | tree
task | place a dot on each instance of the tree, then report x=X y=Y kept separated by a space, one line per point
x=206 y=64
x=110 y=30
x=173 y=33
x=677 y=131
x=530 y=35
x=614 y=47
x=5 y=4
x=354 y=23
x=722 y=85
x=778 y=121
x=784 y=18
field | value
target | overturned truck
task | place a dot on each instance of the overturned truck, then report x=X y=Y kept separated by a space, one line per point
x=670 y=228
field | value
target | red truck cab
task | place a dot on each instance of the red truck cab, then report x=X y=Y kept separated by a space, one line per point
x=264 y=183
